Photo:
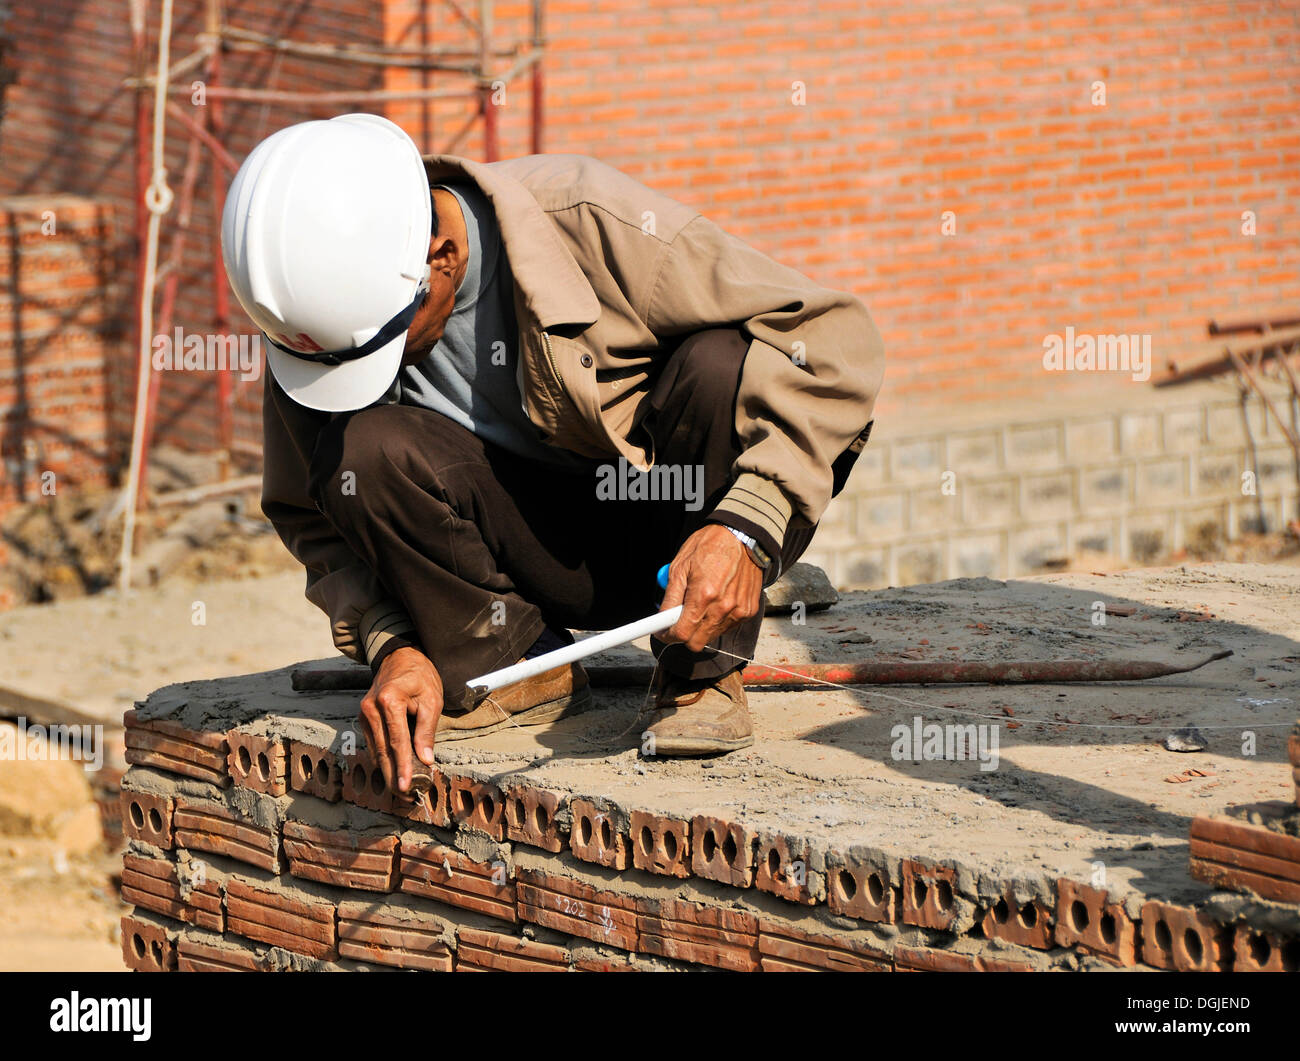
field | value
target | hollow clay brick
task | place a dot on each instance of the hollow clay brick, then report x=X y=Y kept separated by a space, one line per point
x=661 y=845
x=1087 y=920
x=531 y=817
x=594 y=837
x=147 y=817
x=857 y=889
x=929 y=894
x=1178 y=937
x=257 y=762
x=722 y=851
x=315 y=771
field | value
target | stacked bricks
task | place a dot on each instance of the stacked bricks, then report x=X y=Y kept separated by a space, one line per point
x=266 y=846
x=1238 y=855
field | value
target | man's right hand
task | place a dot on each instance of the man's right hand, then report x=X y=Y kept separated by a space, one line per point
x=407 y=684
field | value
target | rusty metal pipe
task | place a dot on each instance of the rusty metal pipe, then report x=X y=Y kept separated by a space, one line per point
x=803 y=675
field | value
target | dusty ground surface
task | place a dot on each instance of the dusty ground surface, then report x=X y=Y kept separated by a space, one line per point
x=1082 y=776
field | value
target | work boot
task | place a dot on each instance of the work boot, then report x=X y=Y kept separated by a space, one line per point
x=545 y=697
x=701 y=717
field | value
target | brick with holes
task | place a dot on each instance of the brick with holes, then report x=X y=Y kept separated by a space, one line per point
x=1178 y=937
x=315 y=770
x=431 y=808
x=784 y=947
x=693 y=932
x=257 y=762
x=281 y=915
x=861 y=885
x=661 y=845
x=405 y=932
x=363 y=782
x=210 y=825
x=148 y=945
x=347 y=858
x=478 y=805
x=790 y=869
x=594 y=835
x=1027 y=922
x=436 y=871
x=168 y=746
x=1260 y=951
x=482 y=950
x=147 y=816
x=722 y=851
x=532 y=817
x=565 y=904
x=929 y=894
x=1088 y=920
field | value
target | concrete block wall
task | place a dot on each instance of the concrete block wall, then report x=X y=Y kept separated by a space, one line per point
x=236 y=863
x=1022 y=492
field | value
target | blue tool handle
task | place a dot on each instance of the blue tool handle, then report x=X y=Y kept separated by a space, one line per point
x=662 y=577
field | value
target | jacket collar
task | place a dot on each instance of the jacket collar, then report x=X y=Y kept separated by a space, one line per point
x=553 y=287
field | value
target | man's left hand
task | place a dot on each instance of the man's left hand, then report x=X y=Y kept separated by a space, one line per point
x=716 y=582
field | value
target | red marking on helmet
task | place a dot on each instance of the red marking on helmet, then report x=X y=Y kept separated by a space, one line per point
x=302 y=342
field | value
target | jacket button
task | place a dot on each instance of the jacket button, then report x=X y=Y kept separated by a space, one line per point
x=587 y=360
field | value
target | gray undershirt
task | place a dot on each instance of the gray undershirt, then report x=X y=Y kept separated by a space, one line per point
x=470 y=374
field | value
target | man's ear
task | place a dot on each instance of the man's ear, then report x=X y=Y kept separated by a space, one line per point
x=444 y=255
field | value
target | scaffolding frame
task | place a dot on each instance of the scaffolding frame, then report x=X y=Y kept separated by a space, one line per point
x=485 y=67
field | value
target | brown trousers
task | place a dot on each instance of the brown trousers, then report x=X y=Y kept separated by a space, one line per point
x=484 y=549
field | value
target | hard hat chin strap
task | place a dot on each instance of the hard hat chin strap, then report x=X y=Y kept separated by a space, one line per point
x=390 y=331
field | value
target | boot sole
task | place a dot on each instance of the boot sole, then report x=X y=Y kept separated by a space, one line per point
x=684 y=747
x=538 y=715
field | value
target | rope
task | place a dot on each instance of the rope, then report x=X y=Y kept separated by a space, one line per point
x=158 y=200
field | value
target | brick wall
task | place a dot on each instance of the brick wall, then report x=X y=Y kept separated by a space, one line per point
x=1122 y=218
x=56 y=328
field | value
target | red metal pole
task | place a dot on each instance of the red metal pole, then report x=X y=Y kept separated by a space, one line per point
x=220 y=292
x=539 y=46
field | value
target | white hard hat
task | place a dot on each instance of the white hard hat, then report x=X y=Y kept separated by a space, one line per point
x=325 y=237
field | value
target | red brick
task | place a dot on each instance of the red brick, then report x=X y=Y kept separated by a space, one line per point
x=257 y=762
x=397 y=934
x=363 y=783
x=1256 y=951
x=530 y=817
x=718 y=936
x=147 y=817
x=1027 y=924
x=1234 y=854
x=198 y=956
x=781 y=945
x=169 y=746
x=153 y=884
x=722 y=851
x=1087 y=920
x=783 y=869
x=594 y=837
x=929 y=894
x=858 y=889
x=480 y=950
x=478 y=805
x=432 y=808
x=577 y=908
x=270 y=915
x=147 y=947
x=933 y=960
x=342 y=858
x=315 y=770
x=1178 y=937
x=447 y=875
x=203 y=825
x=661 y=845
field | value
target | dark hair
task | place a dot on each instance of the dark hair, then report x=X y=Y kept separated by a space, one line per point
x=434 y=231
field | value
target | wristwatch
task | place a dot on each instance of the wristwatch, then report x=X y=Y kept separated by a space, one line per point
x=756 y=552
